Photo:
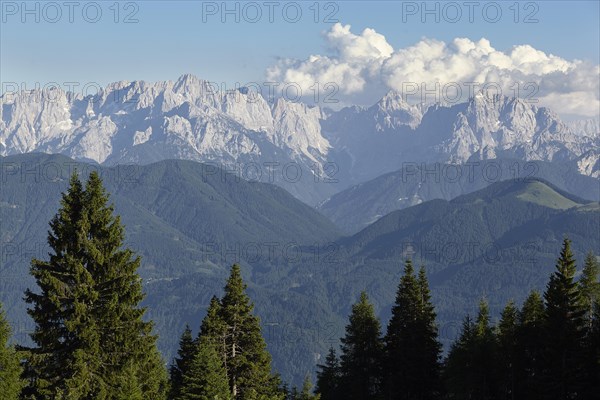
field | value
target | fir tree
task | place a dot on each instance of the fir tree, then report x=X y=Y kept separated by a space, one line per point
x=530 y=337
x=431 y=347
x=564 y=329
x=412 y=349
x=592 y=378
x=247 y=361
x=126 y=337
x=362 y=352
x=11 y=383
x=486 y=355
x=214 y=328
x=459 y=371
x=328 y=377
x=66 y=336
x=507 y=354
x=129 y=387
x=185 y=355
x=471 y=364
x=205 y=378
x=306 y=392
x=89 y=327
x=589 y=286
x=590 y=298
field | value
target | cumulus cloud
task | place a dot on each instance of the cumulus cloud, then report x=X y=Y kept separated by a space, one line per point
x=365 y=65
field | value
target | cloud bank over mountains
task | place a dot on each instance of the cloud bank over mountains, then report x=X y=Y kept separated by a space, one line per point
x=365 y=65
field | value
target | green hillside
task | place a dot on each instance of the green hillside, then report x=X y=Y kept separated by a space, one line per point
x=190 y=222
x=355 y=208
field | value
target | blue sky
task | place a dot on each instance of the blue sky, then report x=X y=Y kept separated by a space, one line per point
x=176 y=37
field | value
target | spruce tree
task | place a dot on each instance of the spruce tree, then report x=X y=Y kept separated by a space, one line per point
x=431 y=346
x=214 y=328
x=11 y=383
x=328 y=377
x=564 y=329
x=129 y=387
x=589 y=286
x=412 y=349
x=590 y=298
x=459 y=373
x=471 y=366
x=507 y=351
x=66 y=336
x=185 y=355
x=306 y=392
x=126 y=337
x=530 y=340
x=89 y=327
x=486 y=355
x=205 y=378
x=247 y=360
x=362 y=353
x=592 y=377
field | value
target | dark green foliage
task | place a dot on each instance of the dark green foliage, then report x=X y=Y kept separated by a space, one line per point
x=213 y=328
x=66 y=335
x=205 y=378
x=362 y=353
x=129 y=387
x=590 y=300
x=89 y=327
x=589 y=285
x=564 y=329
x=459 y=373
x=185 y=355
x=592 y=378
x=229 y=358
x=529 y=347
x=247 y=360
x=307 y=393
x=471 y=367
x=11 y=383
x=507 y=351
x=328 y=377
x=235 y=337
x=543 y=351
x=412 y=350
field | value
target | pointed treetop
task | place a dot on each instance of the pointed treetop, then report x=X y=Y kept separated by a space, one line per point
x=212 y=324
x=482 y=323
x=566 y=261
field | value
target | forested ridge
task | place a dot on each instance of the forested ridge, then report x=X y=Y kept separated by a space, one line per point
x=91 y=340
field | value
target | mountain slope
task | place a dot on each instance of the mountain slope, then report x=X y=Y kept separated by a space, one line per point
x=355 y=208
x=498 y=242
x=180 y=200
x=188 y=221
x=485 y=216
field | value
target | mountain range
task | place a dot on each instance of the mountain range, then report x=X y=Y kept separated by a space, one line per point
x=312 y=152
x=189 y=221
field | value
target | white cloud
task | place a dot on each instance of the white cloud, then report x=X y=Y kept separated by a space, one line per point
x=366 y=65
